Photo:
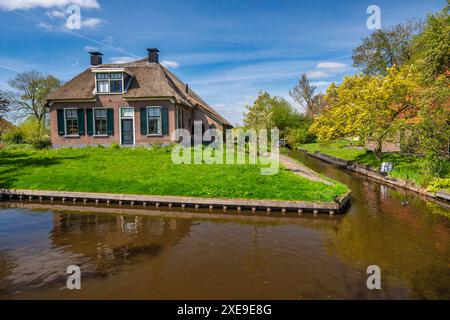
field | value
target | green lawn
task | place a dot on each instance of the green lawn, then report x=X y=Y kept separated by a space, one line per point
x=342 y=149
x=151 y=172
x=406 y=167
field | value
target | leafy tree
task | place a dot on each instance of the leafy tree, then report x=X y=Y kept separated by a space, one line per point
x=304 y=93
x=432 y=46
x=259 y=115
x=284 y=116
x=385 y=48
x=301 y=134
x=32 y=90
x=369 y=107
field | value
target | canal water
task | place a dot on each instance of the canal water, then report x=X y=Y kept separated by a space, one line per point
x=151 y=257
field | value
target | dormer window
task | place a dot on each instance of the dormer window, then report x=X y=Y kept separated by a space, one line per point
x=110 y=82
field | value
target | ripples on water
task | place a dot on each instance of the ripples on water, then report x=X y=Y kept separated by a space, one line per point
x=154 y=258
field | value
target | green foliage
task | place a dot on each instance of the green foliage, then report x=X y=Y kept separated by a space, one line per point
x=152 y=172
x=284 y=116
x=432 y=46
x=29 y=132
x=368 y=107
x=384 y=49
x=343 y=149
x=259 y=115
x=439 y=184
x=40 y=143
x=301 y=134
x=115 y=146
x=32 y=89
x=13 y=136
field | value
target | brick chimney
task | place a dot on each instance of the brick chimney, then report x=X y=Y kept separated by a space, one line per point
x=96 y=58
x=153 y=55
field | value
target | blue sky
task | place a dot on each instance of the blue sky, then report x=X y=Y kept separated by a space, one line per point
x=227 y=50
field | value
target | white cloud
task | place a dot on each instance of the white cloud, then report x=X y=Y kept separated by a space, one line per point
x=46 y=26
x=91 y=22
x=321 y=84
x=170 y=64
x=55 y=14
x=332 y=66
x=10 y=5
x=91 y=48
x=315 y=74
x=122 y=59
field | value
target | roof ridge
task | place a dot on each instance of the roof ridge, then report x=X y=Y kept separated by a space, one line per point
x=196 y=98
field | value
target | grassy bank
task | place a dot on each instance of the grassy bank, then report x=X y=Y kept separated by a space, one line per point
x=151 y=172
x=406 y=167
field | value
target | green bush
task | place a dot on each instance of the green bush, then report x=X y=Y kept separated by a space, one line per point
x=299 y=136
x=439 y=184
x=14 y=136
x=115 y=146
x=41 y=143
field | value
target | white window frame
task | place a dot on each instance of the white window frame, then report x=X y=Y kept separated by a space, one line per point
x=66 y=134
x=109 y=82
x=93 y=123
x=160 y=134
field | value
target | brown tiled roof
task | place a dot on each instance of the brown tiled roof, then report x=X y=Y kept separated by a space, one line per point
x=5 y=125
x=148 y=80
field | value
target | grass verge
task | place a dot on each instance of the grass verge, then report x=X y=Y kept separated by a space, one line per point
x=151 y=172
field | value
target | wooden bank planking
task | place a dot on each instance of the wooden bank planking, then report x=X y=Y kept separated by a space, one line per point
x=299 y=207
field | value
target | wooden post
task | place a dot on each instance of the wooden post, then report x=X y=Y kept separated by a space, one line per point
x=331 y=213
x=316 y=212
x=300 y=212
x=225 y=208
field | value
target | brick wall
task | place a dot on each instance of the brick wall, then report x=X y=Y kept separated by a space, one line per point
x=116 y=102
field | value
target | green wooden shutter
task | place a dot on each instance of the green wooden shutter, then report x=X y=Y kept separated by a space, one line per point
x=110 y=122
x=61 y=127
x=89 y=122
x=165 y=121
x=144 y=121
x=80 y=122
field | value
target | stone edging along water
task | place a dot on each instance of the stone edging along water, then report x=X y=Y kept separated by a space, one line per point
x=367 y=171
x=339 y=205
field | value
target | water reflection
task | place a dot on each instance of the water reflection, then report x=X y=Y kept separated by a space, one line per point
x=149 y=257
x=110 y=242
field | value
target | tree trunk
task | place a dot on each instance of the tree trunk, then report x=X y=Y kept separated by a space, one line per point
x=378 y=150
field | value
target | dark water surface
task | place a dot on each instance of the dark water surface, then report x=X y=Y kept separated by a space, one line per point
x=147 y=257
